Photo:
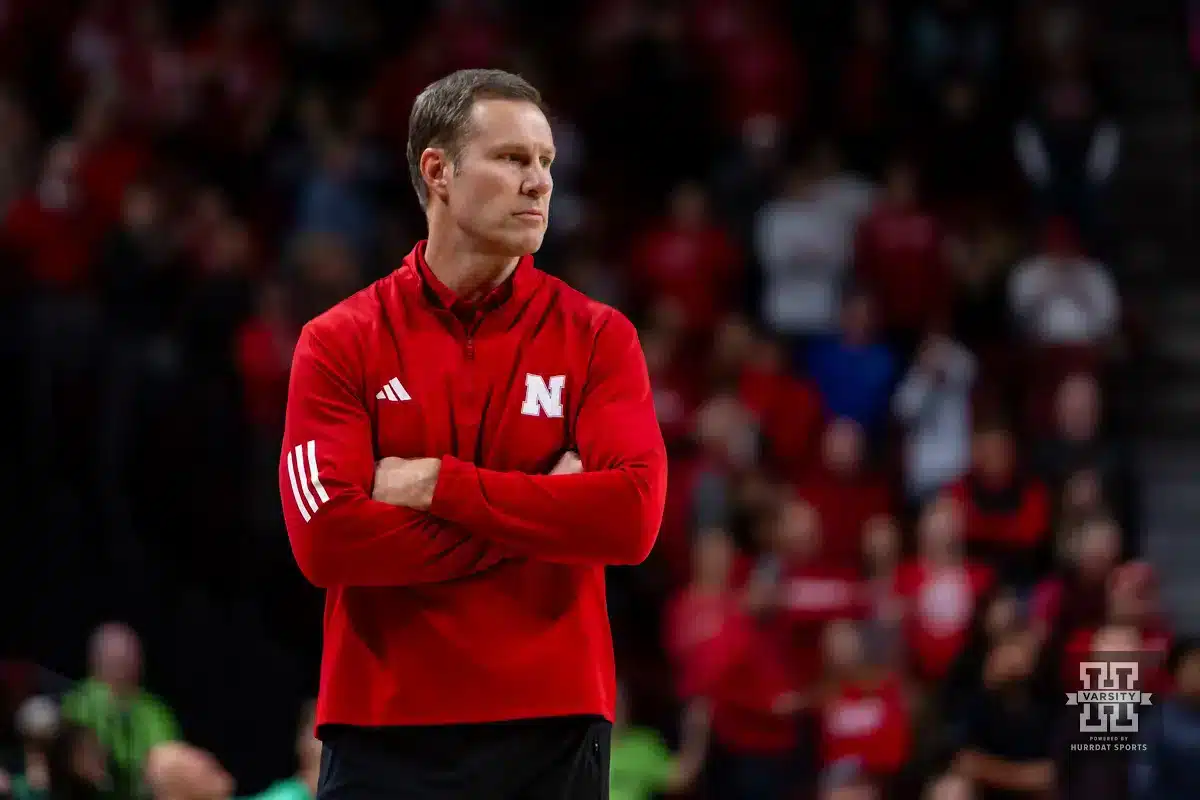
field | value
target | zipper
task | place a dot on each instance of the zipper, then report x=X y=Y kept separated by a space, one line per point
x=471 y=328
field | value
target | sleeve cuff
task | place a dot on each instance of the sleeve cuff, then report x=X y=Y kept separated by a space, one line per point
x=456 y=493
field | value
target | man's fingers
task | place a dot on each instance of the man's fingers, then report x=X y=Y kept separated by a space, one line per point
x=569 y=464
x=387 y=471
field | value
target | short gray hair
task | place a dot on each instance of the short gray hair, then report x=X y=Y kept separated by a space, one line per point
x=441 y=114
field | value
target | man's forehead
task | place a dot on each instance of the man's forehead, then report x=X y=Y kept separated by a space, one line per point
x=494 y=121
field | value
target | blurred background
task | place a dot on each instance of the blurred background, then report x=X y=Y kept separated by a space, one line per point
x=915 y=283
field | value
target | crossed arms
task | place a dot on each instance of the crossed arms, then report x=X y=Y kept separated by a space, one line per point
x=352 y=522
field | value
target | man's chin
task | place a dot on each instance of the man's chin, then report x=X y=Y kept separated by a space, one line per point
x=515 y=246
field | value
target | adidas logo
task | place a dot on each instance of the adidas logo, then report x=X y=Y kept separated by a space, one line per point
x=394 y=391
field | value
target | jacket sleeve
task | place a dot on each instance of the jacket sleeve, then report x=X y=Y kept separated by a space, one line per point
x=339 y=535
x=608 y=514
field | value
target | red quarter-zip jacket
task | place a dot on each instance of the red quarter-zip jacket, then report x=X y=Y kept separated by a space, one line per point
x=491 y=605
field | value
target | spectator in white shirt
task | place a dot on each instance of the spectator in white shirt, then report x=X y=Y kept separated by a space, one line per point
x=934 y=404
x=803 y=241
x=1061 y=297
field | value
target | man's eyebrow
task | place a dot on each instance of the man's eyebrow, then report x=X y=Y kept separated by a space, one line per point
x=549 y=149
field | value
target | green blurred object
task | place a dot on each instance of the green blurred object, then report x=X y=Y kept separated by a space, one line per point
x=127 y=728
x=640 y=765
x=21 y=790
x=290 y=789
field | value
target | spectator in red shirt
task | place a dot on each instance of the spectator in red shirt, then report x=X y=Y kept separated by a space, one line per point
x=814 y=589
x=846 y=494
x=676 y=393
x=898 y=257
x=863 y=713
x=689 y=258
x=696 y=616
x=1007 y=510
x=728 y=657
x=111 y=156
x=264 y=345
x=788 y=409
x=48 y=230
x=941 y=590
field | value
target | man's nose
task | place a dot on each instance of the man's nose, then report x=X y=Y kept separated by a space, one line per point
x=538 y=183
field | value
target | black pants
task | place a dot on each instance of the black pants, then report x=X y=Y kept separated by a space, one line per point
x=558 y=758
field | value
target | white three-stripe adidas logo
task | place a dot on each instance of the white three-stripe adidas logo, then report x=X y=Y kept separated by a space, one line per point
x=302 y=471
x=393 y=390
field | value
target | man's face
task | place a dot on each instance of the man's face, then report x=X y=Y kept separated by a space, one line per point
x=842 y=646
x=118 y=659
x=1077 y=407
x=994 y=455
x=499 y=188
x=843 y=447
x=798 y=531
x=858 y=319
x=940 y=528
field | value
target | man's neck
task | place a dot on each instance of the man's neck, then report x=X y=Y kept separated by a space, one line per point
x=462 y=268
x=123 y=694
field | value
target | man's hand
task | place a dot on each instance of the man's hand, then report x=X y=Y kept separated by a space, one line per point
x=569 y=464
x=407 y=482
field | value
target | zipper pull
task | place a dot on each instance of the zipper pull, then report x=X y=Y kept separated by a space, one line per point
x=470 y=349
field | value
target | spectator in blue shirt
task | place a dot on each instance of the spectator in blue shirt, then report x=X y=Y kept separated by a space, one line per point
x=853 y=370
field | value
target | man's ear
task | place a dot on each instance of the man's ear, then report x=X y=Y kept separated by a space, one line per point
x=435 y=169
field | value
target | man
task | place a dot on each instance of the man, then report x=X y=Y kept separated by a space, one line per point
x=467 y=649
x=127 y=719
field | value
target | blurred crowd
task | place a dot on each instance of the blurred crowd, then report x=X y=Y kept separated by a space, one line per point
x=865 y=244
